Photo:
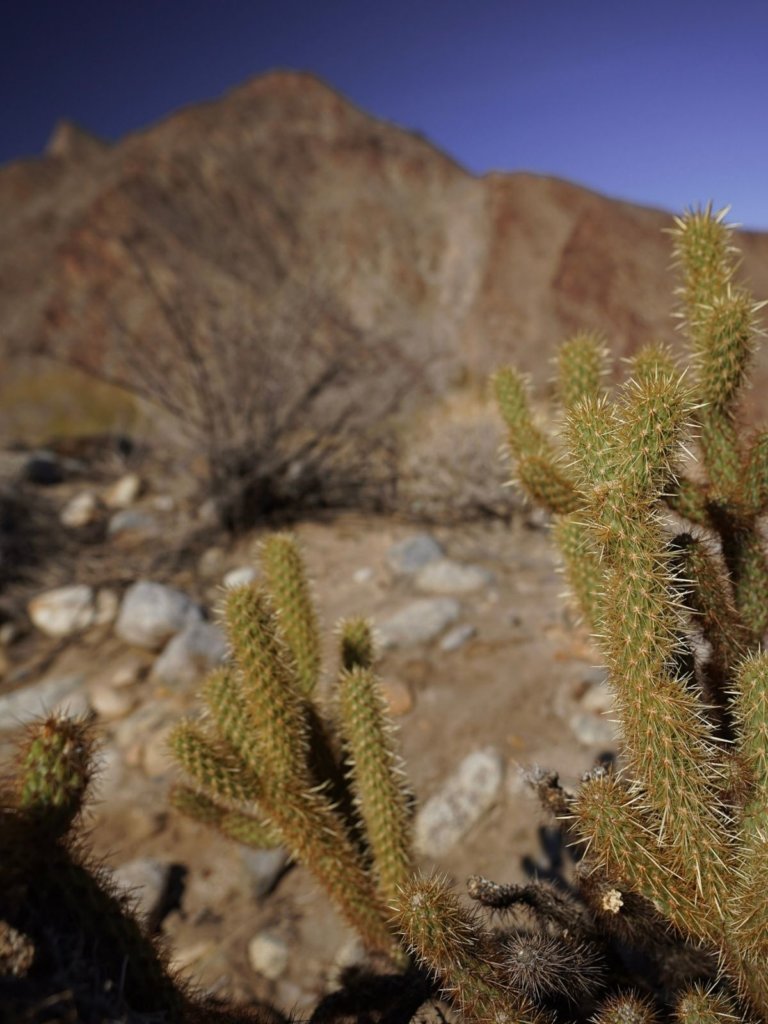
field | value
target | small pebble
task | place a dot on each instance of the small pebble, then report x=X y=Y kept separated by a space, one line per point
x=457 y=637
x=269 y=955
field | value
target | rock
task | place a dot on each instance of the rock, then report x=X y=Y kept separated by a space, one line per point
x=240 y=577
x=123 y=492
x=44 y=468
x=163 y=503
x=457 y=637
x=132 y=522
x=264 y=868
x=111 y=703
x=21 y=706
x=107 y=605
x=9 y=631
x=148 y=880
x=80 y=510
x=191 y=654
x=269 y=955
x=211 y=562
x=461 y=801
x=413 y=553
x=594 y=731
x=419 y=622
x=363 y=575
x=152 y=613
x=448 y=577
x=63 y=611
x=127 y=674
x=598 y=697
x=397 y=695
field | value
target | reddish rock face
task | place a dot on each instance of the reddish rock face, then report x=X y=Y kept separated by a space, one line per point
x=285 y=218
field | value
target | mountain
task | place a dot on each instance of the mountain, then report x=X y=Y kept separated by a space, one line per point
x=283 y=204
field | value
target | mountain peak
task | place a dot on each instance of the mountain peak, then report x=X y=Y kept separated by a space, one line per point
x=70 y=141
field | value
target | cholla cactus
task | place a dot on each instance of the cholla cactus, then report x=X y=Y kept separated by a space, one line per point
x=668 y=912
x=270 y=767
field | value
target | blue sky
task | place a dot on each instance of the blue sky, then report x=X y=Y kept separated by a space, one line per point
x=660 y=103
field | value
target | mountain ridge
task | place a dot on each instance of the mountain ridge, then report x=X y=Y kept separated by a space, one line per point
x=283 y=186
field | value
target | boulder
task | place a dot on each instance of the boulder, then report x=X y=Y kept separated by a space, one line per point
x=151 y=613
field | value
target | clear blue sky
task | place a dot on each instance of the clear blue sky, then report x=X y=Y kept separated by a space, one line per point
x=664 y=103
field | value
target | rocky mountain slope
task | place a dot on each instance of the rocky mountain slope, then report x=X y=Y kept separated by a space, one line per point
x=283 y=204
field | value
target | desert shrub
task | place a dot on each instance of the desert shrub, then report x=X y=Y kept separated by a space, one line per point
x=280 y=395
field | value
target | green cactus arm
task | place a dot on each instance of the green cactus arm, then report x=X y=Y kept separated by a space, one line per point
x=276 y=708
x=243 y=828
x=696 y=1005
x=315 y=836
x=54 y=772
x=653 y=360
x=722 y=455
x=750 y=710
x=688 y=499
x=582 y=364
x=545 y=484
x=356 y=642
x=213 y=765
x=709 y=595
x=581 y=562
x=754 y=484
x=377 y=778
x=705 y=254
x=445 y=937
x=622 y=841
x=538 y=471
x=653 y=414
x=723 y=330
x=288 y=587
x=749 y=570
x=512 y=396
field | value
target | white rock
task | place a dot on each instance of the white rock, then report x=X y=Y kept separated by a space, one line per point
x=152 y=613
x=594 y=731
x=107 y=604
x=461 y=801
x=109 y=702
x=80 y=510
x=413 y=553
x=448 y=577
x=264 y=868
x=132 y=521
x=457 y=637
x=147 y=879
x=240 y=577
x=363 y=575
x=163 y=503
x=191 y=654
x=269 y=955
x=64 y=611
x=123 y=492
x=419 y=622
x=126 y=674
